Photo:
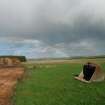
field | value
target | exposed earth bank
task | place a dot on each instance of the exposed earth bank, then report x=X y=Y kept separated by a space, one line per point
x=8 y=79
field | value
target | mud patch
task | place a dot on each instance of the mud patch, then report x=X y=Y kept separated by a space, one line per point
x=8 y=79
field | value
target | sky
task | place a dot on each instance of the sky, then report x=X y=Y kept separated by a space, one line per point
x=52 y=28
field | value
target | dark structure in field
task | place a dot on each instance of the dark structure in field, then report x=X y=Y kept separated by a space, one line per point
x=11 y=60
x=91 y=72
x=88 y=70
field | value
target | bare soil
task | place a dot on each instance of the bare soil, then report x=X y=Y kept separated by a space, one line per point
x=8 y=79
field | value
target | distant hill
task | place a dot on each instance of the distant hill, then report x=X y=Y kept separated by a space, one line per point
x=70 y=58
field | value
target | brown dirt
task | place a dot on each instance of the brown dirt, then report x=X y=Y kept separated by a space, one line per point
x=8 y=79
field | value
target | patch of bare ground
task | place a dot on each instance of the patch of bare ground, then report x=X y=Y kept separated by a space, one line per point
x=9 y=77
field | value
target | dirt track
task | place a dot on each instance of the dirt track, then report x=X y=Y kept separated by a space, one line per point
x=8 y=80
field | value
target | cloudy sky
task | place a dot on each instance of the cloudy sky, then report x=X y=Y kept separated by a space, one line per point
x=52 y=28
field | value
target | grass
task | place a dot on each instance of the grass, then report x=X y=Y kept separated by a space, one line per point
x=55 y=85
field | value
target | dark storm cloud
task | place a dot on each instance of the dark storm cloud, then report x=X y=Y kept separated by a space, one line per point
x=74 y=25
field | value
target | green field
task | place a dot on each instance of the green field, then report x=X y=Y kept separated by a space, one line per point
x=53 y=84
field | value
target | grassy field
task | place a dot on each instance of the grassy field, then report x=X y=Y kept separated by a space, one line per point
x=53 y=84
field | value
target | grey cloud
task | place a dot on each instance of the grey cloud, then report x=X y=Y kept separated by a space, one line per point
x=54 y=22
